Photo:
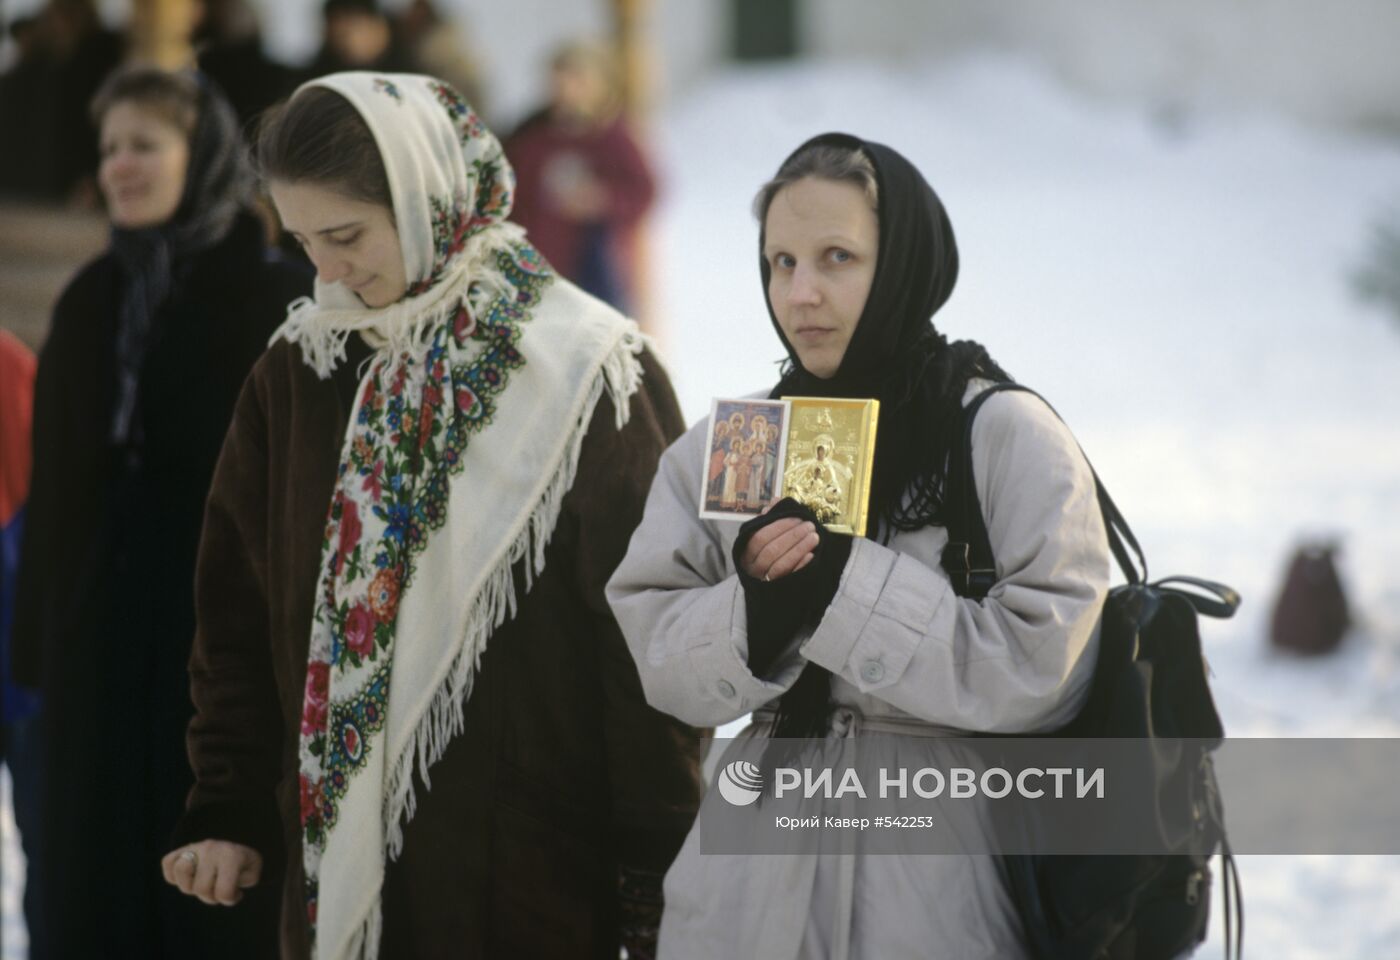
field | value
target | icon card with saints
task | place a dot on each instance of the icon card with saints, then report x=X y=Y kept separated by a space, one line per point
x=817 y=450
x=830 y=453
x=744 y=452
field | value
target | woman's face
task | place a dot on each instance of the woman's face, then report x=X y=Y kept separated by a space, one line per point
x=144 y=158
x=352 y=242
x=578 y=90
x=821 y=243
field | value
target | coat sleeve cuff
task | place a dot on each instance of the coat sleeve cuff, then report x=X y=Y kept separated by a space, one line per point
x=251 y=823
x=720 y=667
x=878 y=618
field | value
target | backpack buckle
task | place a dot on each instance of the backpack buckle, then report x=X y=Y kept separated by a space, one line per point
x=968 y=581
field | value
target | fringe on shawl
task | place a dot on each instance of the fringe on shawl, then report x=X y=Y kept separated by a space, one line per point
x=322 y=331
x=365 y=942
x=621 y=376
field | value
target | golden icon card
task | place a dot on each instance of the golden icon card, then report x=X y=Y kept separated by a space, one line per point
x=826 y=448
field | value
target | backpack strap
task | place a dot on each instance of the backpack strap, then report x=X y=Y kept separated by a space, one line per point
x=1221 y=603
x=1230 y=875
x=968 y=558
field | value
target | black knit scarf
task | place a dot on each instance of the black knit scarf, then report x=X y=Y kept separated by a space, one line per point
x=897 y=356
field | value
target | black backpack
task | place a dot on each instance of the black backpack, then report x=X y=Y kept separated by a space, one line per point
x=1149 y=682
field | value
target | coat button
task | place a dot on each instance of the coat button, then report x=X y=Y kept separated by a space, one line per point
x=726 y=689
x=871 y=671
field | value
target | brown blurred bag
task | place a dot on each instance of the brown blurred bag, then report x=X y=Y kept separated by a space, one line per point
x=1311 y=614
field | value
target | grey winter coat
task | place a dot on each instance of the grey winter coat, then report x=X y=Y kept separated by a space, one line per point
x=904 y=650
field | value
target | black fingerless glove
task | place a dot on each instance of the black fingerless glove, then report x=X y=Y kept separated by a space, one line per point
x=777 y=609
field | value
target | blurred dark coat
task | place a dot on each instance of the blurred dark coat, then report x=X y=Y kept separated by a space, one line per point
x=562 y=774
x=106 y=610
x=250 y=79
x=393 y=59
x=50 y=143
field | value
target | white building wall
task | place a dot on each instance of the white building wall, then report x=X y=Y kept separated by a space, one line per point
x=1328 y=62
x=902 y=30
x=691 y=37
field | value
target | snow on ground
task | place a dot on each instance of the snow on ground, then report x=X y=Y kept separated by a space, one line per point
x=13 y=939
x=1180 y=292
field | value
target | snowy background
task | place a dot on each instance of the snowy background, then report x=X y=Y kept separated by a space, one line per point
x=1178 y=285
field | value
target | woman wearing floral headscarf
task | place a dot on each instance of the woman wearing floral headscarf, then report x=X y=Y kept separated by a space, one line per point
x=410 y=690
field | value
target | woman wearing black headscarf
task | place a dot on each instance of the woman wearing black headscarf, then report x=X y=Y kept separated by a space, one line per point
x=820 y=634
x=135 y=387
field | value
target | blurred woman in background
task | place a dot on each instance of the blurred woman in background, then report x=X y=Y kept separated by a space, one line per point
x=136 y=383
x=584 y=183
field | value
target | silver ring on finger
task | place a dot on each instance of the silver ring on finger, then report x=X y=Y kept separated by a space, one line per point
x=190 y=857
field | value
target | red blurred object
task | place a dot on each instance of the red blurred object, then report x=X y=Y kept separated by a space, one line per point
x=1311 y=614
x=17 y=366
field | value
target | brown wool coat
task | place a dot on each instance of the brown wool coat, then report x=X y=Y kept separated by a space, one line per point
x=563 y=772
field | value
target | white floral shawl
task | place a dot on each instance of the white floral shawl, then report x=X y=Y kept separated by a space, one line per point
x=464 y=438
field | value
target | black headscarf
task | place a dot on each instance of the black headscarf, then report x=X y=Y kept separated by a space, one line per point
x=218 y=184
x=895 y=354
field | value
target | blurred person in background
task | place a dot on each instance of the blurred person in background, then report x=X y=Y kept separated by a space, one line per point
x=65 y=53
x=358 y=36
x=19 y=707
x=27 y=104
x=85 y=53
x=135 y=387
x=416 y=716
x=439 y=48
x=229 y=47
x=583 y=181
